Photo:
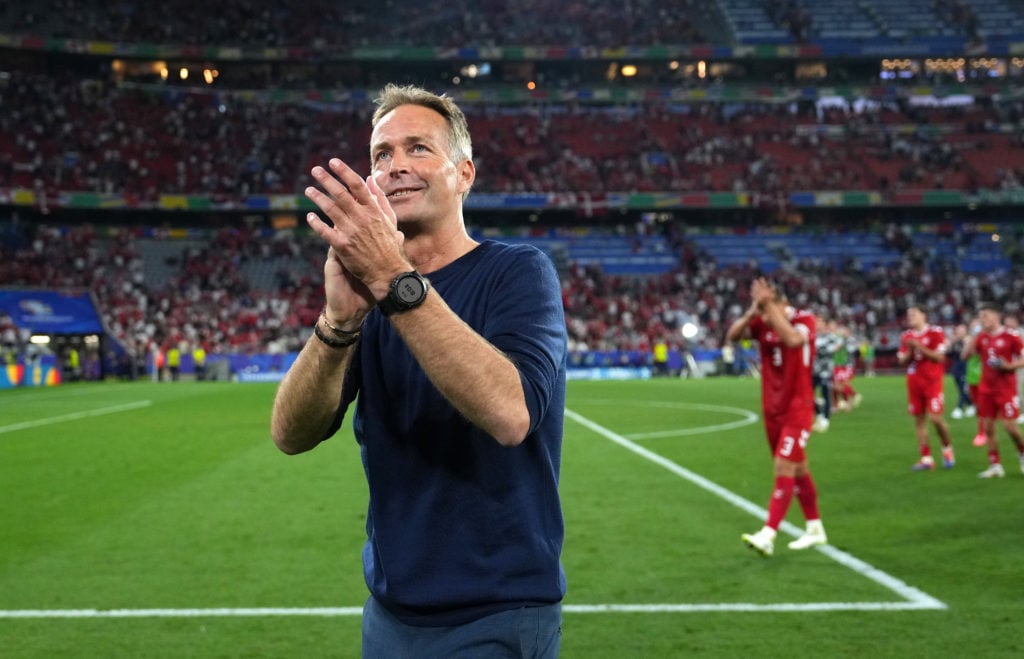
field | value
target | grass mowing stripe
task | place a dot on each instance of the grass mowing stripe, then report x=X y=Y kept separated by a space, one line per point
x=914 y=596
x=100 y=411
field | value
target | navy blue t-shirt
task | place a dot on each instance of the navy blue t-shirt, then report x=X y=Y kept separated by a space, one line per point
x=458 y=526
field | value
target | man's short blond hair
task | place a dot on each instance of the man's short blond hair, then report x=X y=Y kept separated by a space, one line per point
x=460 y=146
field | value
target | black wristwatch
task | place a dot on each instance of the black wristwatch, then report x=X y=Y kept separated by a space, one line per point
x=408 y=290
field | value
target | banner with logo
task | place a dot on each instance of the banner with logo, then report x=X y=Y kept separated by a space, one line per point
x=51 y=312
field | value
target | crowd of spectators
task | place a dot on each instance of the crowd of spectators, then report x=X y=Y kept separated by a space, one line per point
x=610 y=313
x=62 y=134
x=206 y=300
x=323 y=25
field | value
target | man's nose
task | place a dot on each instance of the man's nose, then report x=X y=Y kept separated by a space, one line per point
x=397 y=163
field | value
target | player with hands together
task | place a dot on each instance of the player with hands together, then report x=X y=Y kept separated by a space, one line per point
x=786 y=339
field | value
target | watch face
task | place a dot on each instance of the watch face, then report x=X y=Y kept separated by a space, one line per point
x=410 y=289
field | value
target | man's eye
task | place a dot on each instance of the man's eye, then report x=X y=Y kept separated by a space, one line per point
x=382 y=155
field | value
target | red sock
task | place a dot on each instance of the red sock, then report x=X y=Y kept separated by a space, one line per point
x=807 y=495
x=782 y=496
x=993 y=456
x=926 y=451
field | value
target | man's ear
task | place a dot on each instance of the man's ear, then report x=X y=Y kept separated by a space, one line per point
x=467 y=175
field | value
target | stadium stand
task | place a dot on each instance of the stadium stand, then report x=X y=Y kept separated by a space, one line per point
x=862 y=152
x=238 y=290
x=756 y=22
x=195 y=144
x=320 y=23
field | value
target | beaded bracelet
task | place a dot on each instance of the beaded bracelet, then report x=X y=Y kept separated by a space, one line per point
x=337 y=344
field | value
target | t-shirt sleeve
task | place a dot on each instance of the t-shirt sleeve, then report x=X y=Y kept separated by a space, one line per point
x=526 y=321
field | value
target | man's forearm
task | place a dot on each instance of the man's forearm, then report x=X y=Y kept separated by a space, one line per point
x=739 y=326
x=308 y=396
x=475 y=377
x=776 y=316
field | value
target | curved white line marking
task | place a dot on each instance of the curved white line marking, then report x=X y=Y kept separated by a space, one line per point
x=747 y=417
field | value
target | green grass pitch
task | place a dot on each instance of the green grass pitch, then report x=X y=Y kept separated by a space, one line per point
x=158 y=520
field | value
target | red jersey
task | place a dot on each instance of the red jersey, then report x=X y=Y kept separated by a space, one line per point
x=920 y=367
x=786 y=385
x=1003 y=344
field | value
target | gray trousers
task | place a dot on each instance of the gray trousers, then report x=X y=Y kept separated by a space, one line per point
x=534 y=632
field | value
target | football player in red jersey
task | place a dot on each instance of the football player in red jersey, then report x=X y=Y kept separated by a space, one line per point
x=923 y=352
x=785 y=338
x=1000 y=351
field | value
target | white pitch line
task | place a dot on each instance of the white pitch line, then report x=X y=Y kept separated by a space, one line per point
x=353 y=611
x=182 y=613
x=915 y=597
x=743 y=607
x=100 y=411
